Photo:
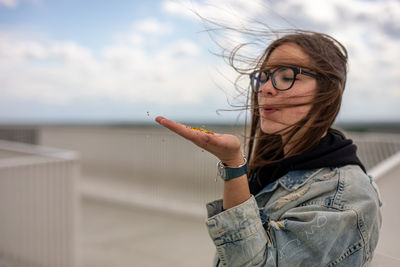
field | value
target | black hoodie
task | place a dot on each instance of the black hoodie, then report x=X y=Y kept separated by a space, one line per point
x=333 y=150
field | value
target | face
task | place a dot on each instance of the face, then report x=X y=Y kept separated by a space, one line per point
x=303 y=90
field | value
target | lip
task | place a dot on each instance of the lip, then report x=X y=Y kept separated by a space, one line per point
x=267 y=111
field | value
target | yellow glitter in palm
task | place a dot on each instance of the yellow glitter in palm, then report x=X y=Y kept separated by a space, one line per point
x=202 y=130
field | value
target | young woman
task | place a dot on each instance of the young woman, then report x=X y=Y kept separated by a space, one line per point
x=301 y=197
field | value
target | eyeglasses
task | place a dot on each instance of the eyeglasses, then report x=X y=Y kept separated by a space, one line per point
x=283 y=78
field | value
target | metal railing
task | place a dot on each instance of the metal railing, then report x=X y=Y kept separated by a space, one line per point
x=149 y=167
x=375 y=149
x=39 y=206
x=22 y=134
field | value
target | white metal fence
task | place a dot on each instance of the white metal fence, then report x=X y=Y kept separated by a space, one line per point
x=142 y=166
x=39 y=206
x=375 y=148
x=150 y=166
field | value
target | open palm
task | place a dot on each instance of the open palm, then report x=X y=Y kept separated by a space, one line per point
x=226 y=147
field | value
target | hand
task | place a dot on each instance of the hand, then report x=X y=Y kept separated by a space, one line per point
x=226 y=147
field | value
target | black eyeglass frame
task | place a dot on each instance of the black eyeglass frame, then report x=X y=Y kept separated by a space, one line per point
x=296 y=70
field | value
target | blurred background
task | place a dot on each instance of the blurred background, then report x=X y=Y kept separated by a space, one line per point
x=86 y=176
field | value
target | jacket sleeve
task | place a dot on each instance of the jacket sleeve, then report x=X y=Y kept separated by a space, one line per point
x=238 y=233
x=304 y=236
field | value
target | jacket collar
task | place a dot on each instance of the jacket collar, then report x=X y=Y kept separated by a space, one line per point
x=292 y=180
x=332 y=151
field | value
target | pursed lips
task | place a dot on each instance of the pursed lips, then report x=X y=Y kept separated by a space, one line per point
x=268 y=109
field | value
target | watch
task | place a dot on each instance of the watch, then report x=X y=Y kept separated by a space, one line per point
x=227 y=173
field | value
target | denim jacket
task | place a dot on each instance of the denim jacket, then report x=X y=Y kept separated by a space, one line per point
x=320 y=217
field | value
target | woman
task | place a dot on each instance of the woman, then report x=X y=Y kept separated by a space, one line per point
x=302 y=197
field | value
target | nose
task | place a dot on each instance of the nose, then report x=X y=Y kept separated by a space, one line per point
x=268 y=89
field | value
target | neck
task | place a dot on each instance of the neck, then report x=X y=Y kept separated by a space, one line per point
x=294 y=140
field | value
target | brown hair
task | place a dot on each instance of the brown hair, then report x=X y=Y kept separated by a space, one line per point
x=328 y=59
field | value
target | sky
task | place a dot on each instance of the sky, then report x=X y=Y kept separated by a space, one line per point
x=129 y=61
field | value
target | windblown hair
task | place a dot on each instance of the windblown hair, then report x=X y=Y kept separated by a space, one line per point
x=328 y=59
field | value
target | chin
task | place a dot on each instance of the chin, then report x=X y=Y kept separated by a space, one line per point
x=269 y=127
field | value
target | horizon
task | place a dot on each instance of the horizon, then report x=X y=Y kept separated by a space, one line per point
x=186 y=122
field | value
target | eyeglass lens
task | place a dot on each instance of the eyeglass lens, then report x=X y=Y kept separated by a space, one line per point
x=282 y=79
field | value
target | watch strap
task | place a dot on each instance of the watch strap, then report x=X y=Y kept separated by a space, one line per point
x=228 y=173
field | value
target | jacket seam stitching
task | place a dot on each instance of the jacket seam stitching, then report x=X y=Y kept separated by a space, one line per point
x=254 y=231
x=339 y=191
x=349 y=251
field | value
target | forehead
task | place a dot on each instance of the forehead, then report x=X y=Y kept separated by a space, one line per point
x=288 y=54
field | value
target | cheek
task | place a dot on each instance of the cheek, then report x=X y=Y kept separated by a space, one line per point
x=295 y=114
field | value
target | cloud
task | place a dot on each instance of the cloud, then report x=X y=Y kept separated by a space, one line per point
x=149 y=64
x=16 y=3
x=147 y=31
x=60 y=72
x=234 y=12
x=9 y=3
x=369 y=29
x=152 y=26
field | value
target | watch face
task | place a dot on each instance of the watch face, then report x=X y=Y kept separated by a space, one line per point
x=227 y=173
x=221 y=171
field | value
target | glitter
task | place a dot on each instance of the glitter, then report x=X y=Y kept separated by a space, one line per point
x=201 y=130
x=197 y=128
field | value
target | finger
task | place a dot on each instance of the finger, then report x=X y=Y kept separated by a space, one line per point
x=159 y=119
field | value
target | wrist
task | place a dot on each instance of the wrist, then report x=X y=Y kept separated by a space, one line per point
x=235 y=161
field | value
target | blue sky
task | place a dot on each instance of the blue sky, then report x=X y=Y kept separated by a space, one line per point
x=113 y=61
